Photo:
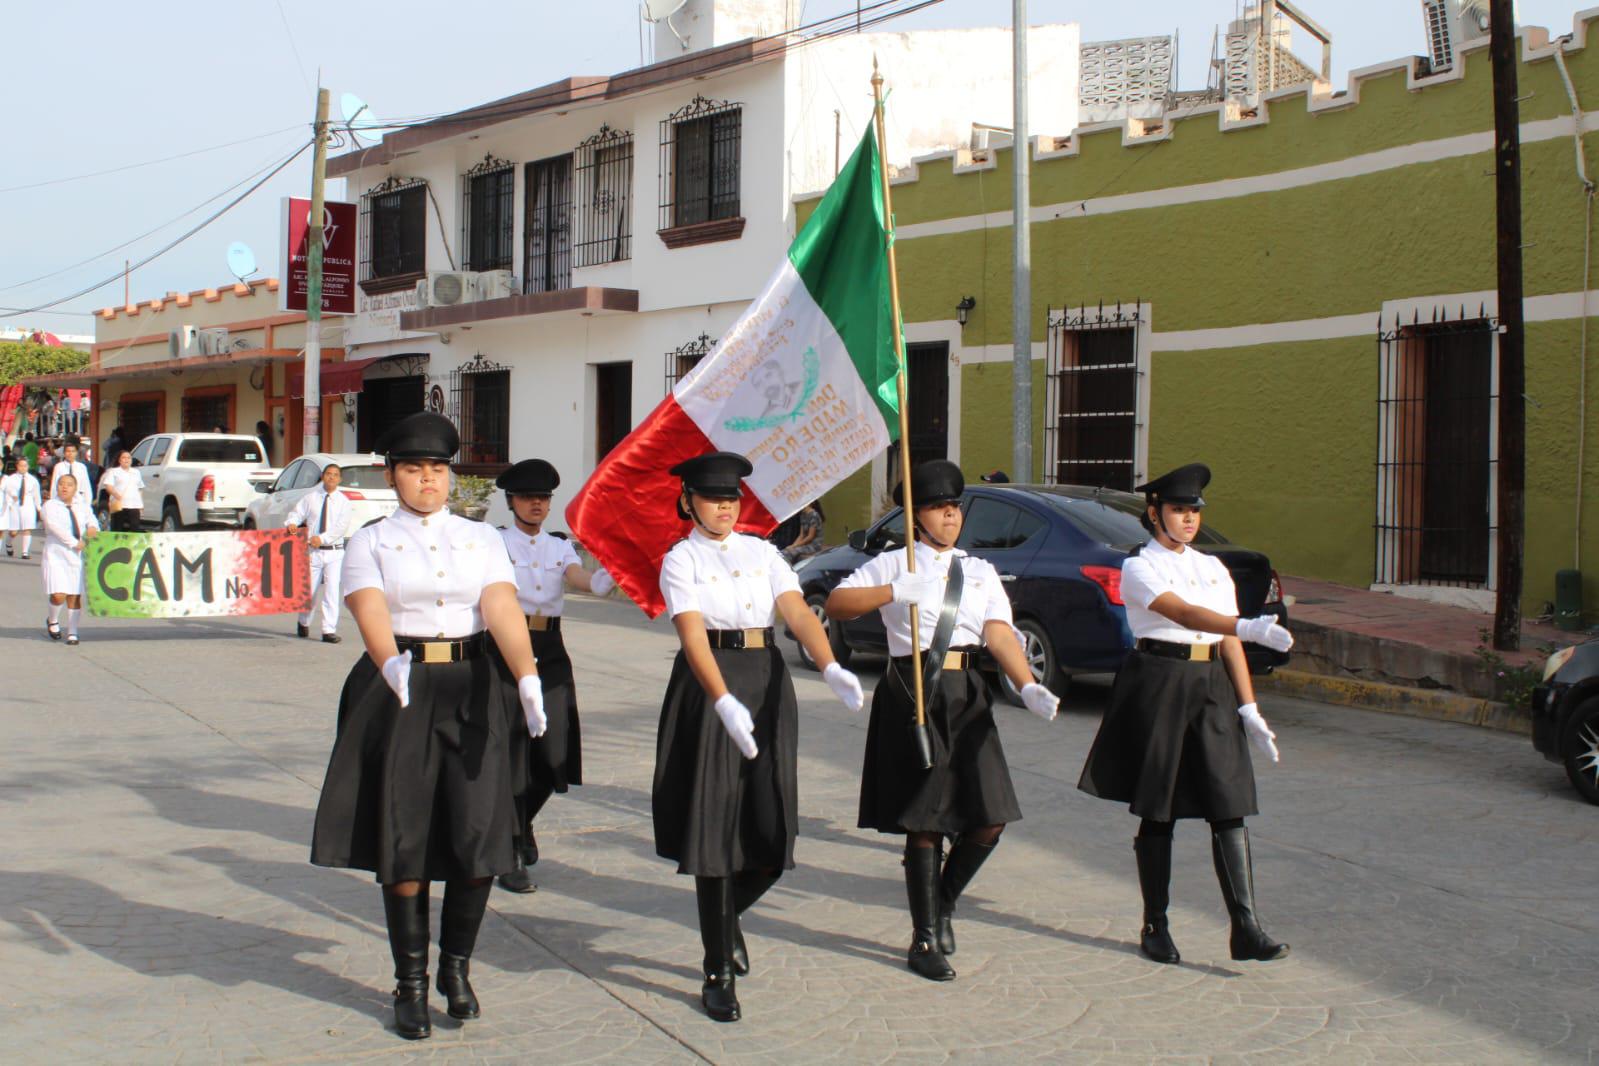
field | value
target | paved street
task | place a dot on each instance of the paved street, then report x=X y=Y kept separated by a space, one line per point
x=156 y=789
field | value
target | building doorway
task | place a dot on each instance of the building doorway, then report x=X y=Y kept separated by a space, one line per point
x=613 y=406
x=382 y=402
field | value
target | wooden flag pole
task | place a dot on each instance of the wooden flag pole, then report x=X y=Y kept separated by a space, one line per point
x=923 y=740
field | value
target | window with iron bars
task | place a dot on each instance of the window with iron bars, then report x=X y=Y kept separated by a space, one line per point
x=480 y=407
x=394 y=228
x=1091 y=398
x=605 y=198
x=700 y=163
x=682 y=359
x=488 y=233
x=547 y=239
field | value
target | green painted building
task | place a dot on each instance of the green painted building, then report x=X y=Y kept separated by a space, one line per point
x=1301 y=296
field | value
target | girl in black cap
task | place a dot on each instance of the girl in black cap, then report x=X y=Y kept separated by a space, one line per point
x=730 y=820
x=419 y=785
x=967 y=794
x=1175 y=741
x=545 y=563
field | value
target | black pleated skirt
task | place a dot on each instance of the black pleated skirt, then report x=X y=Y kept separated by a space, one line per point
x=1171 y=745
x=424 y=792
x=716 y=812
x=969 y=785
x=554 y=760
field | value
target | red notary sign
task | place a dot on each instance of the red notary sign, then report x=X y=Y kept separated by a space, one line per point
x=339 y=222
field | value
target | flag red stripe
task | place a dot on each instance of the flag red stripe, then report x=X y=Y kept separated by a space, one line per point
x=626 y=514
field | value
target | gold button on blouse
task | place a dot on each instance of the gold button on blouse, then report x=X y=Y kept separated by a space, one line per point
x=441 y=573
x=439 y=602
x=433 y=547
x=735 y=573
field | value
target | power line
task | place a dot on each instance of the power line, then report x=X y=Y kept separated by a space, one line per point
x=289 y=33
x=148 y=162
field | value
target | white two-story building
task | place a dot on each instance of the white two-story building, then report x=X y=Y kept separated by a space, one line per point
x=542 y=268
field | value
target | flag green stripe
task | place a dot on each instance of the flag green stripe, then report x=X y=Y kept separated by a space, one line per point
x=842 y=258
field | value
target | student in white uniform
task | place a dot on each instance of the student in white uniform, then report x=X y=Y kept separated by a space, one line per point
x=545 y=563
x=19 y=505
x=1175 y=741
x=69 y=463
x=327 y=516
x=419 y=787
x=725 y=798
x=967 y=794
x=68 y=522
x=124 y=488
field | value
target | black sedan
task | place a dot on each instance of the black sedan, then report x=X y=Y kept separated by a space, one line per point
x=1059 y=550
x=1565 y=715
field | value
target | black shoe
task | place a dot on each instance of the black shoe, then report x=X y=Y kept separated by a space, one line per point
x=72 y=640
x=331 y=638
x=530 y=849
x=1154 y=881
x=518 y=880
x=921 y=886
x=1235 y=870
x=54 y=629
x=454 y=986
x=25 y=555
x=719 y=994
x=965 y=859
x=301 y=631
x=408 y=941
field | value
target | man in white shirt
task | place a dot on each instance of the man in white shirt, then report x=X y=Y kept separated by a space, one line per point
x=326 y=513
x=69 y=463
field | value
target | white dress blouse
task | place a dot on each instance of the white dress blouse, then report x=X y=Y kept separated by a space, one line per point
x=432 y=569
x=126 y=485
x=983 y=597
x=80 y=474
x=19 y=502
x=308 y=513
x=63 y=560
x=1194 y=577
x=734 y=582
x=540 y=564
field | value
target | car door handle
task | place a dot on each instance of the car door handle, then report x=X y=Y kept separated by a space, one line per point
x=1007 y=577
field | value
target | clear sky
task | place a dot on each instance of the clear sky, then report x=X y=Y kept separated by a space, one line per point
x=91 y=85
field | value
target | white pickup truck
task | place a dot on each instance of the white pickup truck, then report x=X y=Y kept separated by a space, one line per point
x=199 y=479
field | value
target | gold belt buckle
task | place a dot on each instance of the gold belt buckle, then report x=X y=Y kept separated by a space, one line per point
x=954 y=660
x=754 y=638
x=538 y=622
x=435 y=651
x=1199 y=653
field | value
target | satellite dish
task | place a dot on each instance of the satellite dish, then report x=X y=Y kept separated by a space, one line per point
x=658 y=10
x=241 y=260
x=359 y=119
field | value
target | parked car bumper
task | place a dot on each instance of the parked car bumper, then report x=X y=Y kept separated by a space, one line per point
x=1546 y=699
x=220 y=516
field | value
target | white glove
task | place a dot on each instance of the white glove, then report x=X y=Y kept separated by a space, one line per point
x=1265 y=630
x=397 y=672
x=1259 y=733
x=916 y=588
x=601 y=582
x=531 y=691
x=846 y=686
x=738 y=723
x=1040 y=700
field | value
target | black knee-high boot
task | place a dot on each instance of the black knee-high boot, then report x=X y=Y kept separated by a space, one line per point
x=459 y=920
x=748 y=886
x=1235 y=870
x=965 y=859
x=407 y=918
x=715 y=898
x=1154 y=881
x=921 y=886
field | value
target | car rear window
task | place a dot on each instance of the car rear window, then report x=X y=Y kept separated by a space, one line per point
x=364 y=477
x=219 y=450
x=1112 y=520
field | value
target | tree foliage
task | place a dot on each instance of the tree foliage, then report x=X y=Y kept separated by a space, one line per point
x=21 y=359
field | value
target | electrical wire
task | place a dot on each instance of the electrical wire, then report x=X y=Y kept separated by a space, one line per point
x=152 y=257
x=148 y=162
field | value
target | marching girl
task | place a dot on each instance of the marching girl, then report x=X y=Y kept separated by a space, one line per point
x=125 y=486
x=1175 y=740
x=967 y=795
x=725 y=797
x=68 y=523
x=545 y=563
x=19 y=505
x=418 y=787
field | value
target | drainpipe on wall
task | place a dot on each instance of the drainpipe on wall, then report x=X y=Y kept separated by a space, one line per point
x=1587 y=259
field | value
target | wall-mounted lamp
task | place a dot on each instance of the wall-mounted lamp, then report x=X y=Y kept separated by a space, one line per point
x=964 y=308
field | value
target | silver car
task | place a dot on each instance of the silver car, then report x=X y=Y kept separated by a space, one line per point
x=363 y=482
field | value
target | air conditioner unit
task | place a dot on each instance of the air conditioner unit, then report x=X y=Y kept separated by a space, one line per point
x=183 y=342
x=1451 y=26
x=448 y=288
x=213 y=341
x=493 y=284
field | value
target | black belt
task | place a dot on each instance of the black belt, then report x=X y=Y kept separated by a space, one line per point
x=1195 y=653
x=328 y=548
x=740 y=639
x=543 y=623
x=954 y=659
x=443 y=651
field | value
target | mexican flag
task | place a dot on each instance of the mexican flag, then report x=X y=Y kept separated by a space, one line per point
x=803 y=385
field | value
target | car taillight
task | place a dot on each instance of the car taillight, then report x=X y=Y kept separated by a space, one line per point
x=1274 y=591
x=207 y=490
x=1109 y=580
x=352 y=494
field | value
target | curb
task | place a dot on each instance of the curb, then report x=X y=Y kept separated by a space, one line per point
x=1434 y=704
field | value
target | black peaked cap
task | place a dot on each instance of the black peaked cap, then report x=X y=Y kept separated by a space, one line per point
x=423 y=435
x=716 y=475
x=530 y=477
x=1183 y=485
x=935 y=481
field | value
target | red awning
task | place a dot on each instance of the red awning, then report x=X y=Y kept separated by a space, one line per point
x=336 y=378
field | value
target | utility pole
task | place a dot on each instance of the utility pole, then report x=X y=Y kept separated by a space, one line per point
x=312 y=441
x=1512 y=340
x=1022 y=267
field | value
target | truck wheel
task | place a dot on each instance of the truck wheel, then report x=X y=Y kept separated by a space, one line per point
x=171 y=519
x=835 y=639
x=1580 y=752
x=1040 y=655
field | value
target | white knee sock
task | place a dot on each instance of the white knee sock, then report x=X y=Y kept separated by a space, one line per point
x=27 y=539
x=72 y=620
x=55 y=612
